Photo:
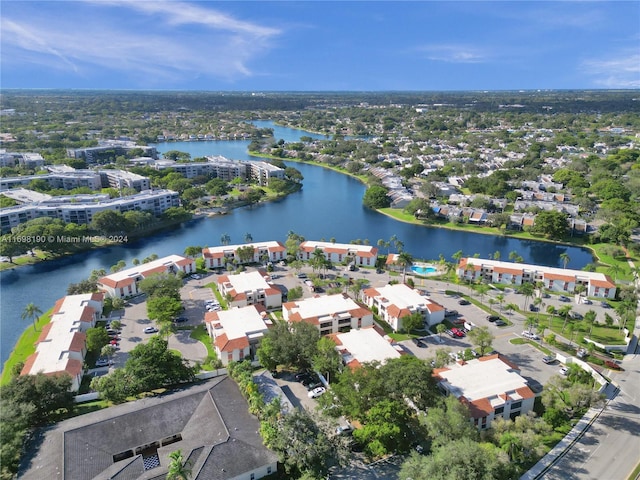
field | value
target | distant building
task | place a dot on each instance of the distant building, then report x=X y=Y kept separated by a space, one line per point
x=395 y=302
x=236 y=333
x=490 y=386
x=108 y=150
x=555 y=279
x=124 y=283
x=61 y=346
x=217 y=257
x=329 y=314
x=361 y=255
x=81 y=208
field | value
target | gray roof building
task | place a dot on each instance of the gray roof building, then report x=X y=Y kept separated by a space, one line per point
x=208 y=422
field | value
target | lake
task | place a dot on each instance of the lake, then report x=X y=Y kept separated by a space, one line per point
x=329 y=205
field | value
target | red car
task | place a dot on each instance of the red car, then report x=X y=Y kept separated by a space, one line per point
x=457 y=332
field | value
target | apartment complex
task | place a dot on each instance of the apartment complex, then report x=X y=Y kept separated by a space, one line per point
x=236 y=333
x=81 y=208
x=394 y=302
x=61 y=346
x=555 y=279
x=490 y=386
x=249 y=288
x=330 y=313
x=365 y=345
x=124 y=283
x=217 y=257
x=108 y=150
x=362 y=255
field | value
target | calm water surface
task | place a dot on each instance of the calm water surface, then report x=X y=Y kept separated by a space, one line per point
x=329 y=205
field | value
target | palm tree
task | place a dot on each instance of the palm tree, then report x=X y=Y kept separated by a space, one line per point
x=500 y=298
x=590 y=319
x=404 y=260
x=564 y=256
x=31 y=312
x=441 y=328
x=482 y=289
x=538 y=303
x=615 y=270
x=225 y=239
x=512 y=307
x=457 y=256
x=551 y=310
x=178 y=470
x=248 y=238
x=317 y=259
x=527 y=290
x=564 y=312
x=491 y=303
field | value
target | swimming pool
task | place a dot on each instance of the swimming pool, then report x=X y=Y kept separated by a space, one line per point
x=423 y=269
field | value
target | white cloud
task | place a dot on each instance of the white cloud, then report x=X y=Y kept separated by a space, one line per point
x=170 y=42
x=453 y=53
x=616 y=71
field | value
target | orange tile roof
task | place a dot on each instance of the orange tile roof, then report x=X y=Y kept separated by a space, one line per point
x=602 y=283
x=58 y=305
x=336 y=250
x=28 y=365
x=512 y=271
x=223 y=279
x=78 y=342
x=87 y=314
x=478 y=408
x=225 y=345
x=557 y=276
x=360 y=312
x=44 y=333
x=371 y=292
x=434 y=307
x=211 y=317
x=97 y=297
x=116 y=284
x=525 y=392
x=184 y=261
x=73 y=368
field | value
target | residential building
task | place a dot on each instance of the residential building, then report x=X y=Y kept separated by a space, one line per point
x=61 y=346
x=108 y=150
x=395 y=302
x=361 y=255
x=330 y=313
x=81 y=208
x=365 y=345
x=555 y=279
x=263 y=172
x=490 y=386
x=209 y=422
x=120 y=179
x=124 y=283
x=217 y=257
x=250 y=288
x=26 y=160
x=237 y=332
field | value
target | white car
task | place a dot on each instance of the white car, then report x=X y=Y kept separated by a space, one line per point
x=564 y=371
x=316 y=392
x=195 y=276
x=530 y=335
x=150 y=330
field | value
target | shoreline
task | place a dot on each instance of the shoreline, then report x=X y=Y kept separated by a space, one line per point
x=421 y=224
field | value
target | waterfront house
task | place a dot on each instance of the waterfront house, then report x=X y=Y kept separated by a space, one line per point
x=249 y=288
x=361 y=255
x=263 y=252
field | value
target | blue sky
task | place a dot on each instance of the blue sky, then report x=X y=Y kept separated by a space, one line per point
x=319 y=45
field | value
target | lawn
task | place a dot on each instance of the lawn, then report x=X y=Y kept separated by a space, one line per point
x=25 y=346
x=200 y=333
x=600 y=333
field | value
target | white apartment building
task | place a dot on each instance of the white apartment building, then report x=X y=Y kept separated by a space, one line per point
x=330 y=313
x=61 y=347
x=555 y=279
x=249 y=288
x=81 y=208
x=490 y=386
x=362 y=255
x=394 y=302
x=124 y=283
x=365 y=345
x=236 y=333
x=217 y=257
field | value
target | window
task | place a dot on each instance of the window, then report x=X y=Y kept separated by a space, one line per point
x=268 y=470
x=515 y=405
x=253 y=476
x=499 y=410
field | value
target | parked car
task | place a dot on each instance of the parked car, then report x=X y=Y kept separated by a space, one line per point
x=302 y=275
x=314 y=385
x=458 y=321
x=582 y=353
x=549 y=359
x=533 y=308
x=457 y=332
x=563 y=298
x=499 y=323
x=586 y=301
x=451 y=313
x=150 y=330
x=102 y=362
x=464 y=301
x=493 y=318
x=530 y=335
x=604 y=304
x=195 y=276
x=564 y=371
x=181 y=320
x=316 y=392
x=576 y=315
x=344 y=429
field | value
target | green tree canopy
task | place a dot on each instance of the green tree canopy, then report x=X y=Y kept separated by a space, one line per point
x=376 y=197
